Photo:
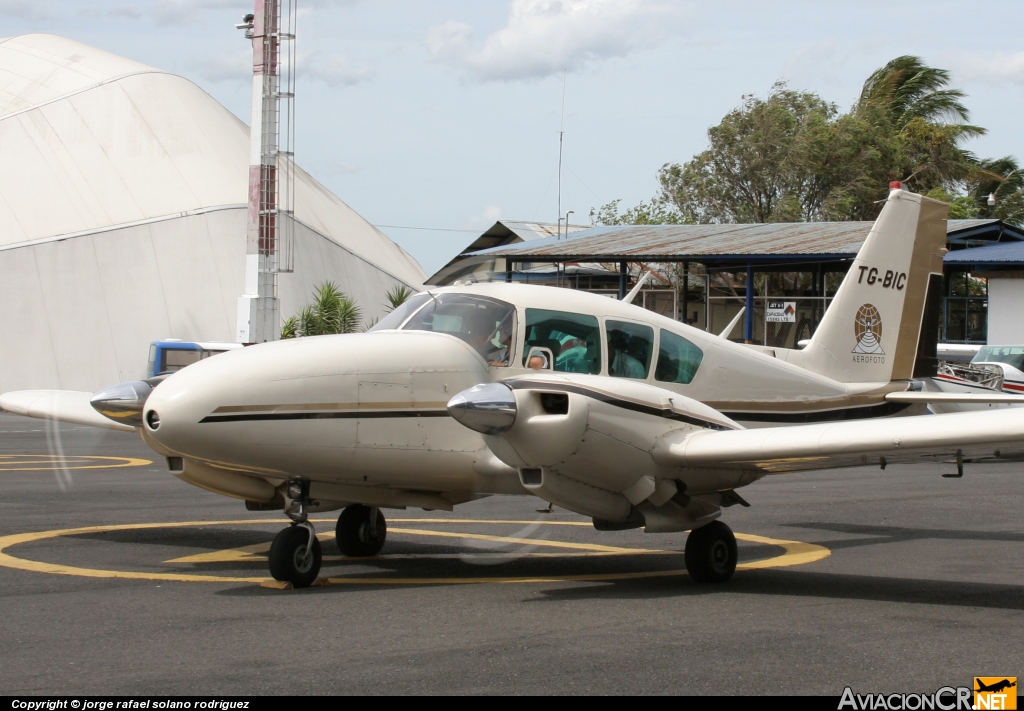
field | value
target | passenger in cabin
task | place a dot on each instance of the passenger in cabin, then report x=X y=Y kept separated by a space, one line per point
x=538 y=361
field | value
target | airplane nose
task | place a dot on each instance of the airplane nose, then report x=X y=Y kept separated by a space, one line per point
x=123 y=402
x=489 y=408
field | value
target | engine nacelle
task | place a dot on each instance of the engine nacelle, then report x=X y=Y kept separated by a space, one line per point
x=585 y=443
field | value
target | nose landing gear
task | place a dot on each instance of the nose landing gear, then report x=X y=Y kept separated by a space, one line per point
x=711 y=553
x=361 y=531
x=295 y=554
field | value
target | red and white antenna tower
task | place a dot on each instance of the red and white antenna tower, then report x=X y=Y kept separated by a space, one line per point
x=270 y=228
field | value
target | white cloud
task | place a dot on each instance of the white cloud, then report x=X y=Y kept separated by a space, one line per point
x=1000 y=68
x=26 y=9
x=181 y=12
x=335 y=70
x=543 y=37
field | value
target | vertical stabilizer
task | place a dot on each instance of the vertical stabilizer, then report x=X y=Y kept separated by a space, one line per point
x=875 y=328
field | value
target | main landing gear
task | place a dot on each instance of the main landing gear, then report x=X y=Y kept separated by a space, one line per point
x=361 y=531
x=295 y=554
x=711 y=553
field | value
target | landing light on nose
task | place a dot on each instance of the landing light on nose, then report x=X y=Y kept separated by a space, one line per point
x=489 y=408
x=123 y=402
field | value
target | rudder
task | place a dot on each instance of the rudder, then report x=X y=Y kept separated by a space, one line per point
x=878 y=326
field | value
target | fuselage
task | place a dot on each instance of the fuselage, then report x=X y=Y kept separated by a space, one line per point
x=368 y=409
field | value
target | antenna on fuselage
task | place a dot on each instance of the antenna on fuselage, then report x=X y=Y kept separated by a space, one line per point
x=628 y=298
x=732 y=324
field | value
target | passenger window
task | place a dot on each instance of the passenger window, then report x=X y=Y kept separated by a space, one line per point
x=629 y=349
x=678 y=359
x=488 y=325
x=574 y=339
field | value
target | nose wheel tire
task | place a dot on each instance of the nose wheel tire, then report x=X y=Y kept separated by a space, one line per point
x=357 y=534
x=290 y=561
x=711 y=553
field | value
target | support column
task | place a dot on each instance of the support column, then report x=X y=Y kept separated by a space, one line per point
x=259 y=317
x=748 y=320
x=686 y=292
x=623 y=280
x=508 y=270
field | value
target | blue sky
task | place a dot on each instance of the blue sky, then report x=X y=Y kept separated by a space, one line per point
x=445 y=114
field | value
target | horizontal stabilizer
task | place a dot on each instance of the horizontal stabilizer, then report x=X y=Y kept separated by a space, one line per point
x=976 y=398
x=996 y=434
x=58 y=405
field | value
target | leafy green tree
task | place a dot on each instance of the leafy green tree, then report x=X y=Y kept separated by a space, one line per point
x=331 y=312
x=786 y=158
x=792 y=157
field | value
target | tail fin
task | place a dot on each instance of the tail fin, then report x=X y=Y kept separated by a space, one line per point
x=881 y=325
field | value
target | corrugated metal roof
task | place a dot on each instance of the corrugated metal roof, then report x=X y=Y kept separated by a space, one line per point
x=1007 y=252
x=676 y=242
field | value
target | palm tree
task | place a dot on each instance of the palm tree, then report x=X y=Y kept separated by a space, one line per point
x=1002 y=179
x=906 y=88
x=927 y=121
x=330 y=312
x=398 y=296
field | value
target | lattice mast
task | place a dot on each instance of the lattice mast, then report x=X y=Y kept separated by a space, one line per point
x=270 y=225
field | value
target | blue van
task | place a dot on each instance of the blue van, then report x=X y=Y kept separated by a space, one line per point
x=173 y=354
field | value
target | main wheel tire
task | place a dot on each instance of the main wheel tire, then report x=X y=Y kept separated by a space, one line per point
x=289 y=561
x=354 y=534
x=711 y=553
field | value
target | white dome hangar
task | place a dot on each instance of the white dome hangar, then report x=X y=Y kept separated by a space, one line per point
x=123 y=219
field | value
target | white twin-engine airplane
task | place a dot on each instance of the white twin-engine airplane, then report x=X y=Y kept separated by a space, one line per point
x=596 y=405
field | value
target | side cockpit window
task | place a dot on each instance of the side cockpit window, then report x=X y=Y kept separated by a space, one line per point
x=630 y=347
x=678 y=359
x=573 y=339
x=488 y=325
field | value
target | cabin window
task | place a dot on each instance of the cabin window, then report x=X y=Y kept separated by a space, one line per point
x=396 y=318
x=678 y=359
x=630 y=346
x=488 y=325
x=1011 y=355
x=574 y=339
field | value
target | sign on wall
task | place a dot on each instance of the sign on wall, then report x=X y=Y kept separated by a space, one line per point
x=780 y=312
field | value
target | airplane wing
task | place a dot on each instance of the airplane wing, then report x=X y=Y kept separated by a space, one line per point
x=971 y=436
x=952 y=397
x=60 y=405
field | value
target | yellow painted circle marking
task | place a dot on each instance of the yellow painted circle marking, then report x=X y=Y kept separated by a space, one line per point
x=49 y=462
x=795 y=553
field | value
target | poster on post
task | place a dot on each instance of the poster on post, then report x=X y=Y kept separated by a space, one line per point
x=780 y=312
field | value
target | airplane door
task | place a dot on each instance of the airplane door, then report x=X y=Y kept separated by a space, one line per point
x=387 y=417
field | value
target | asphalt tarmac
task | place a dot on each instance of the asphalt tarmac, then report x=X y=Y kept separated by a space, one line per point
x=884 y=581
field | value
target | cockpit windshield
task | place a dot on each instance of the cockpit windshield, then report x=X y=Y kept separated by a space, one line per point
x=1011 y=355
x=397 y=317
x=488 y=325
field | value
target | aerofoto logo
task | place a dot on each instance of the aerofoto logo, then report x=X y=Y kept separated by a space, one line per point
x=867 y=327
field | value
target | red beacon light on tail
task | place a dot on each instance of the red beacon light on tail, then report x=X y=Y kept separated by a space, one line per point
x=896 y=185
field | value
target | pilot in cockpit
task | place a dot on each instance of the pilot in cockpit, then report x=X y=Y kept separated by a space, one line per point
x=498 y=348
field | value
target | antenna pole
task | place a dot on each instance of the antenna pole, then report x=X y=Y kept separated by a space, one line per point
x=561 y=134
